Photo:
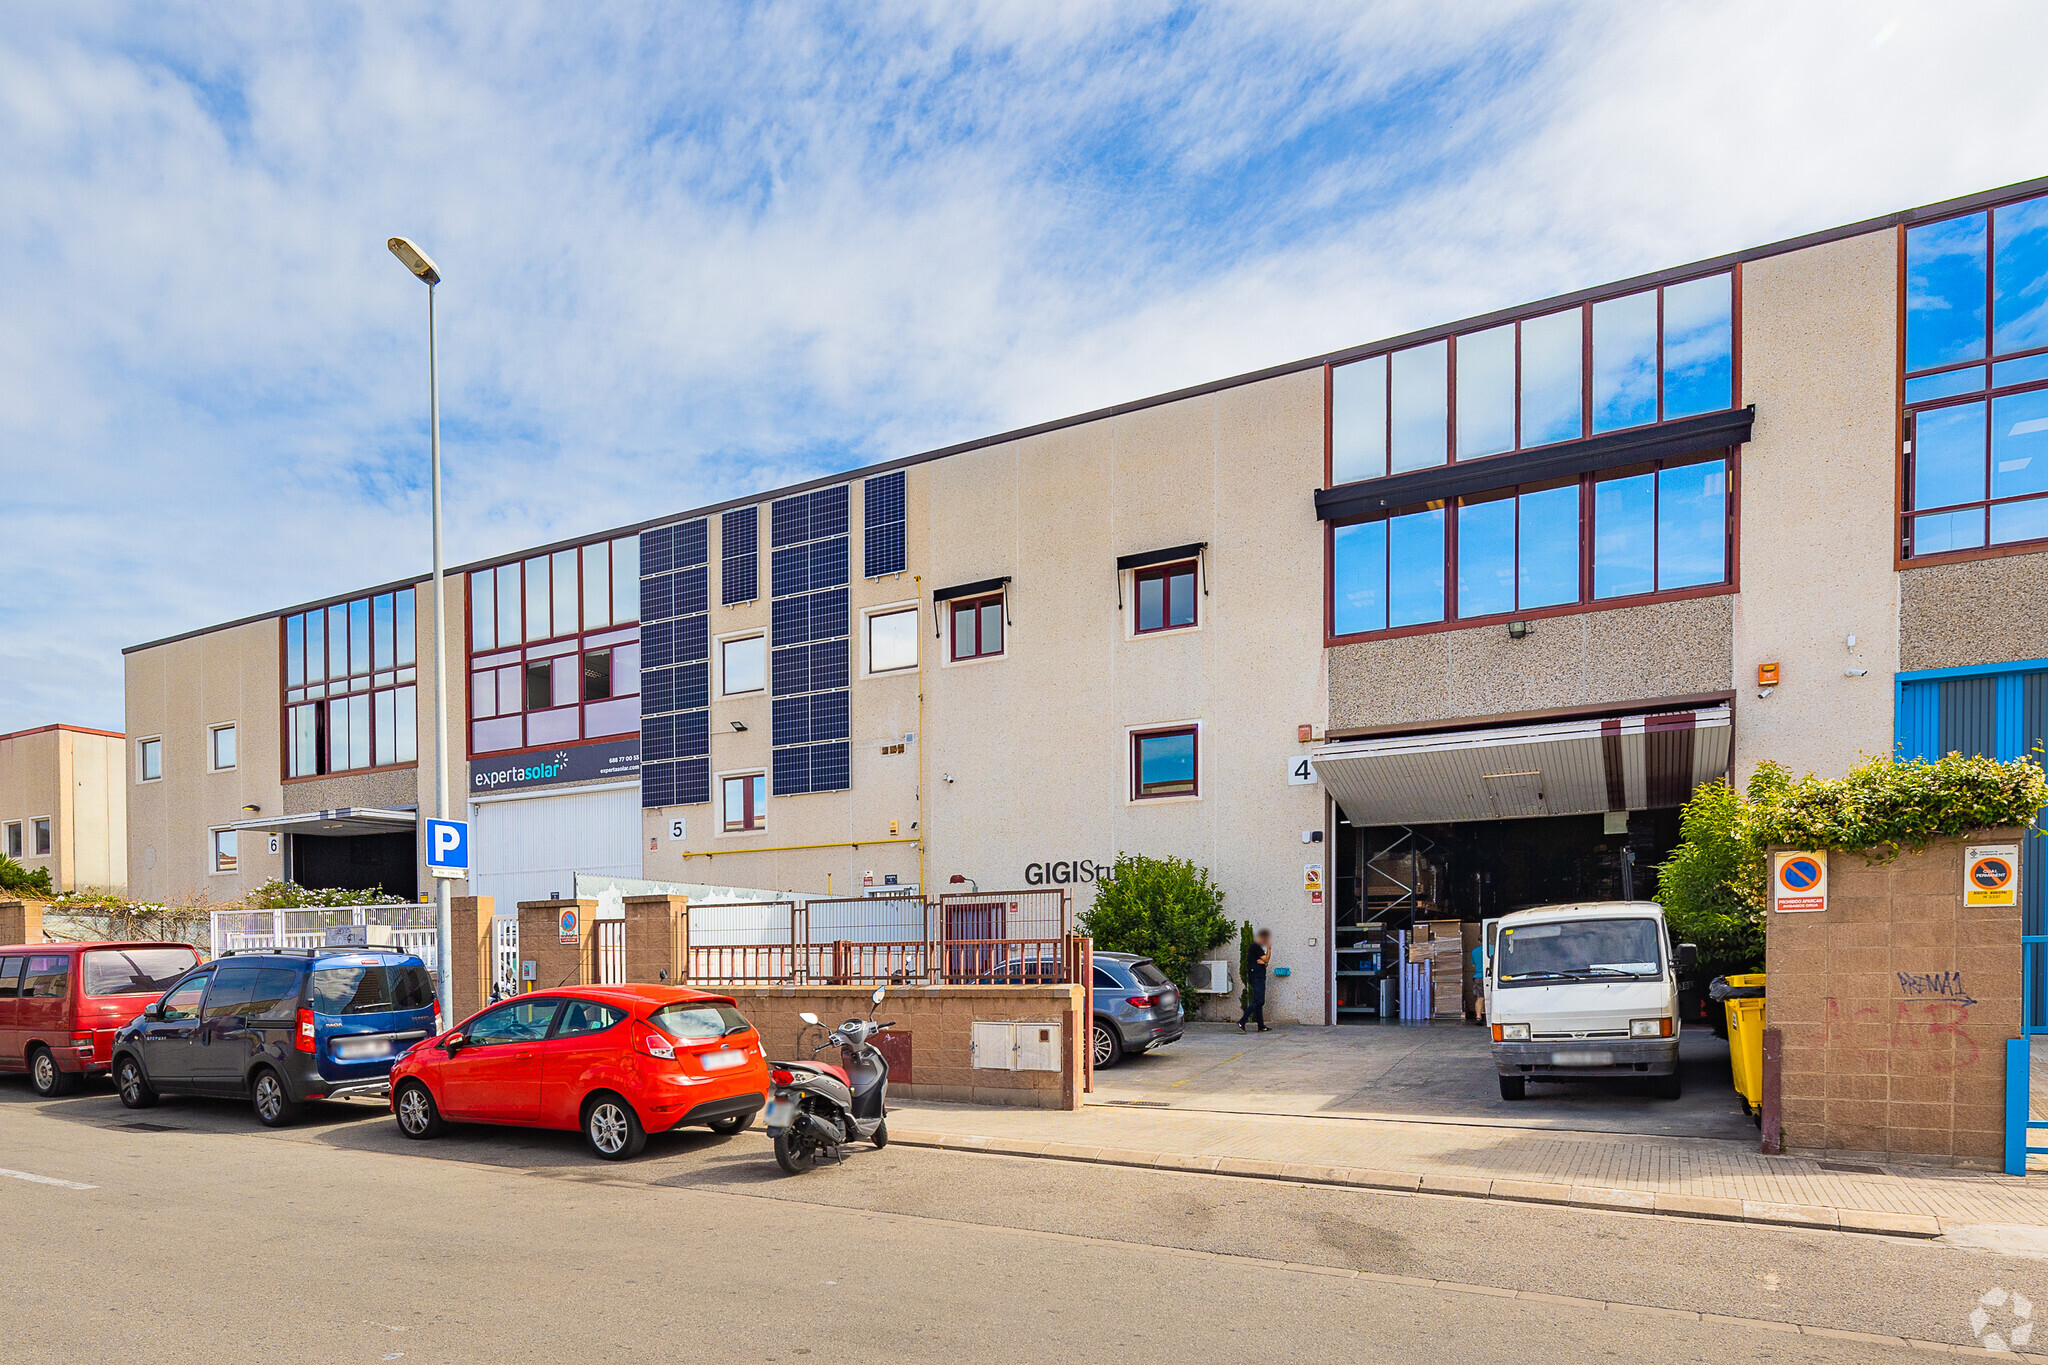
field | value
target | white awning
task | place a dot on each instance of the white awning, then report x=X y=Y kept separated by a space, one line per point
x=347 y=820
x=1572 y=767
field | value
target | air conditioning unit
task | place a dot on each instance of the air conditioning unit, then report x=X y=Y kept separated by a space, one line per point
x=1212 y=977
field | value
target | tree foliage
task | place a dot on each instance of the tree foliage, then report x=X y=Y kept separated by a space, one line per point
x=1164 y=908
x=20 y=881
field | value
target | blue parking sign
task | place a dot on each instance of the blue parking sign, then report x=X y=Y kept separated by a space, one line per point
x=448 y=848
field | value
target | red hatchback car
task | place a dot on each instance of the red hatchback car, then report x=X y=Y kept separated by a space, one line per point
x=617 y=1062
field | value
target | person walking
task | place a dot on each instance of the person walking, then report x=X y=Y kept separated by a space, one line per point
x=1262 y=954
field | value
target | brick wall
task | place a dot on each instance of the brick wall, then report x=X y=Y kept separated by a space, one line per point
x=657 y=938
x=1894 y=1004
x=558 y=963
x=939 y=1021
x=470 y=962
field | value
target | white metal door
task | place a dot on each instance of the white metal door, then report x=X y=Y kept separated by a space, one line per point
x=527 y=848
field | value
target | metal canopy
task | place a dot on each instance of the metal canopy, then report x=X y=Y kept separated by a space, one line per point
x=1574 y=767
x=337 y=823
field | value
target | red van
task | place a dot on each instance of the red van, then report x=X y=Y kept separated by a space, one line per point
x=61 y=1002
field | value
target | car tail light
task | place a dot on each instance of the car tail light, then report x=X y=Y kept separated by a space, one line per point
x=82 y=1040
x=781 y=1077
x=1144 y=1002
x=654 y=1045
x=304 y=1041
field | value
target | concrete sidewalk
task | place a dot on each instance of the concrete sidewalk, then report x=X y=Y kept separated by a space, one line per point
x=1687 y=1177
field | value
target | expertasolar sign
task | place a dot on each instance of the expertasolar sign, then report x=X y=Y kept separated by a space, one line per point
x=553 y=767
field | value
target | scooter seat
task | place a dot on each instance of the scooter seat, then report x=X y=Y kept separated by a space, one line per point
x=837 y=1073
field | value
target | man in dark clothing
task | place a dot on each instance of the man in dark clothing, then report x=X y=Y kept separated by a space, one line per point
x=1262 y=953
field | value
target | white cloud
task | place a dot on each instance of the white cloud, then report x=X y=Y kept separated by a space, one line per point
x=691 y=253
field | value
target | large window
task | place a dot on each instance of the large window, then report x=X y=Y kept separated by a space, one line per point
x=554 y=648
x=1976 y=381
x=351 y=699
x=1618 y=534
x=1631 y=361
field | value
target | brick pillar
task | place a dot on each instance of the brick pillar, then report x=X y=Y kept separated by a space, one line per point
x=558 y=963
x=471 y=964
x=21 y=921
x=657 y=939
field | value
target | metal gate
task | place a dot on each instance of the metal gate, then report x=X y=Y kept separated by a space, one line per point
x=1997 y=711
x=504 y=957
x=611 y=952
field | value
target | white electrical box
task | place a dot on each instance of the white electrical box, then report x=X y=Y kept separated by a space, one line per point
x=361 y=936
x=1016 y=1046
x=1212 y=977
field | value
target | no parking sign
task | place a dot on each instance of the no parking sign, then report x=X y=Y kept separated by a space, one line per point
x=1991 y=874
x=1799 y=881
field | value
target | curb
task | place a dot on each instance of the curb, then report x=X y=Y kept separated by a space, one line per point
x=1761 y=1212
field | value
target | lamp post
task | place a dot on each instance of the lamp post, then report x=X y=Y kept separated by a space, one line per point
x=422 y=266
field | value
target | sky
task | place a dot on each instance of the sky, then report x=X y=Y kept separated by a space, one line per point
x=695 y=252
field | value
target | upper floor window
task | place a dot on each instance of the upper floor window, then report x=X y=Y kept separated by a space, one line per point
x=1163 y=763
x=14 y=839
x=1165 y=597
x=745 y=802
x=149 y=759
x=1976 y=381
x=1630 y=361
x=220 y=747
x=892 y=640
x=42 y=826
x=351 y=694
x=1621 y=533
x=743 y=664
x=978 y=627
x=555 y=647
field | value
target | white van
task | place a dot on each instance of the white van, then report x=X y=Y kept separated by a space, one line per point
x=1578 y=992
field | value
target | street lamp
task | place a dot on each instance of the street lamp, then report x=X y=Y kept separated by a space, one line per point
x=422 y=265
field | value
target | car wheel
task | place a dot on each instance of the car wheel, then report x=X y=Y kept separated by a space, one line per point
x=1513 y=1087
x=136 y=1091
x=418 y=1115
x=49 y=1079
x=1109 y=1049
x=793 y=1154
x=1667 y=1087
x=881 y=1138
x=732 y=1123
x=273 y=1103
x=613 y=1128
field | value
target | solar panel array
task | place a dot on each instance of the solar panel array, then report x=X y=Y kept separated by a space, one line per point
x=739 y=552
x=809 y=638
x=675 y=665
x=884 y=522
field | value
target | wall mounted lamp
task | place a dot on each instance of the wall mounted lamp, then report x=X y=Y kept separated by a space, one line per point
x=739 y=726
x=1517 y=629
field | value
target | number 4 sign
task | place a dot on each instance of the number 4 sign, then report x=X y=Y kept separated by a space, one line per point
x=1301 y=773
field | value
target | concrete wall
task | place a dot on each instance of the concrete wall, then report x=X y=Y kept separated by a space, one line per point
x=1894 y=1004
x=177 y=691
x=938 y=1022
x=1819 y=505
x=1980 y=611
x=540 y=942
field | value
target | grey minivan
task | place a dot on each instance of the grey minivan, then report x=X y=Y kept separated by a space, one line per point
x=1136 y=1007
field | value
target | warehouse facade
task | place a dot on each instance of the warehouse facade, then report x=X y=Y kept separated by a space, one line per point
x=1429 y=628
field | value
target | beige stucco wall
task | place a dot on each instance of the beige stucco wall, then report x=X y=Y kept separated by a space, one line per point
x=177 y=691
x=1625 y=654
x=824 y=841
x=1819 y=500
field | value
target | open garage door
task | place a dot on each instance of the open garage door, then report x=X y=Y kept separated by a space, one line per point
x=529 y=847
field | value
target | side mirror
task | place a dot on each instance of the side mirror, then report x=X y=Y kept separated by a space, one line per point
x=810 y=1019
x=880 y=991
x=451 y=1043
x=1688 y=956
x=153 y=1010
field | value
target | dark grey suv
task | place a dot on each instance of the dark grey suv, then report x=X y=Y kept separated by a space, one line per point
x=1136 y=1007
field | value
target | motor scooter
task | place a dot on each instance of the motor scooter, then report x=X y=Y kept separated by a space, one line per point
x=815 y=1109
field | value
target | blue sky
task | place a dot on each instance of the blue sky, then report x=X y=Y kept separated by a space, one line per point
x=692 y=252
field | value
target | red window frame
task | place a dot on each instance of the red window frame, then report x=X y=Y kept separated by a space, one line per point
x=1164 y=575
x=752 y=817
x=975 y=605
x=1138 y=738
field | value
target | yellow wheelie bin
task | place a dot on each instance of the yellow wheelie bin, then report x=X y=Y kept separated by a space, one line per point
x=1742 y=996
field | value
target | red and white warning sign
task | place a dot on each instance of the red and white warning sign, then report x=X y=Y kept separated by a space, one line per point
x=1991 y=874
x=1799 y=881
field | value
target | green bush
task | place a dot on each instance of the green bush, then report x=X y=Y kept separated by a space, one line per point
x=22 y=882
x=282 y=895
x=1164 y=908
x=1712 y=886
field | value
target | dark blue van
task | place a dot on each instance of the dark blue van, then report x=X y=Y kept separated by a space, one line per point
x=278 y=1027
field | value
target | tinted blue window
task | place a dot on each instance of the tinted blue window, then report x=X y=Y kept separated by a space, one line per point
x=1692 y=525
x=1940 y=531
x=1625 y=362
x=1549 y=549
x=2020 y=275
x=1945 y=292
x=1360 y=571
x=1486 y=557
x=2019 y=447
x=1624 y=528
x=1946 y=384
x=1358 y=420
x=2015 y=521
x=1699 y=347
x=1948 y=456
x=1553 y=378
x=1415 y=568
x=1421 y=421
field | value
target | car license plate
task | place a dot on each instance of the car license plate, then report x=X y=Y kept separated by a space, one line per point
x=1582 y=1059
x=725 y=1060
x=360 y=1049
x=779 y=1111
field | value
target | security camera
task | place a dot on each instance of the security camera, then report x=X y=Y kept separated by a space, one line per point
x=946 y=777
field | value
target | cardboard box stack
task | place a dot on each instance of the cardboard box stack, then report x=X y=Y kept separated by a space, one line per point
x=1441 y=943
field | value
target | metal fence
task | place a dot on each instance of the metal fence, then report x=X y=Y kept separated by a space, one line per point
x=611 y=952
x=242 y=930
x=999 y=937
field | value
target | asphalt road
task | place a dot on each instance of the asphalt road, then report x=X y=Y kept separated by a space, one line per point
x=201 y=1237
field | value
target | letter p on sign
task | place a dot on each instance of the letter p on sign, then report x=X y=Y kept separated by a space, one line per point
x=448 y=848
